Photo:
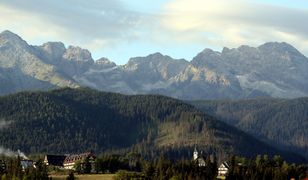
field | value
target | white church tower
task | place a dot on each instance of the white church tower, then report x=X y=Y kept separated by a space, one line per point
x=195 y=154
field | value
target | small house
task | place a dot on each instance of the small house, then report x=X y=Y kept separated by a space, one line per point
x=223 y=169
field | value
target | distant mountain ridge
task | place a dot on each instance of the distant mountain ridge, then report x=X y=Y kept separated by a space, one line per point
x=272 y=69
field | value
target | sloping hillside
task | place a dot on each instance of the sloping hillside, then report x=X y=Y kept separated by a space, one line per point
x=74 y=120
x=281 y=122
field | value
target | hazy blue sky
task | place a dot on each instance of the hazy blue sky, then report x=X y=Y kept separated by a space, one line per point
x=120 y=29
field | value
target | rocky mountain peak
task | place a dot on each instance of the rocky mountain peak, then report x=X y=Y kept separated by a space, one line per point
x=54 y=49
x=225 y=50
x=54 y=46
x=11 y=38
x=152 y=58
x=246 y=48
x=278 y=47
x=9 y=35
x=75 y=53
x=156 y=55
x=208 y=51
x=274 y=69
x=205 y=57
x=105 y=63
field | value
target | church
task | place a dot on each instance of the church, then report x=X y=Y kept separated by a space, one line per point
x=199 y=158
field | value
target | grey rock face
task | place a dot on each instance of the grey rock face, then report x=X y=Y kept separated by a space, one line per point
x=104 y=63
x=53 y=51
x=77 y=54
x=273 y=69
x=22 y=67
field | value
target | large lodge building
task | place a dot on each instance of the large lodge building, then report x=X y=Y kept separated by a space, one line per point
x=69 y=161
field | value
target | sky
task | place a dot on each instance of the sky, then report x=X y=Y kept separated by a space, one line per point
x=121 y=29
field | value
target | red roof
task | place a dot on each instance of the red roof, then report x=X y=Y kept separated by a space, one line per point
x=78 y=157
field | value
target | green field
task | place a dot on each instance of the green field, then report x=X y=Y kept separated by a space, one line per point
x=86 y=177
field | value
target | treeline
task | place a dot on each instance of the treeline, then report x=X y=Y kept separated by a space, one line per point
x=132 y=166
x=259 y=168
x=263 y=167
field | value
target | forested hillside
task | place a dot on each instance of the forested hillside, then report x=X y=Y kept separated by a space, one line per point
x=282 y=122
x=76 y=120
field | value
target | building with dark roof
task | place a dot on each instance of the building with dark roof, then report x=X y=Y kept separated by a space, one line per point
x=198 y=158
x=54 y=160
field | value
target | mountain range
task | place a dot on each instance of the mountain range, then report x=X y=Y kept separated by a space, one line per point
x=270 y=70
x=75 y=120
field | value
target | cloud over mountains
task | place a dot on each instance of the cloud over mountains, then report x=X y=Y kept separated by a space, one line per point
x=236 y=22
x=111 y=25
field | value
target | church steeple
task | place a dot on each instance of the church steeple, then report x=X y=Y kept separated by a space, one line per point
x=195 y=154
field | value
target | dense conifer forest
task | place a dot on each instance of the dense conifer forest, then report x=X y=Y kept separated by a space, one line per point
x=75 y=120
x=281 y=122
